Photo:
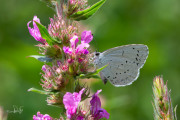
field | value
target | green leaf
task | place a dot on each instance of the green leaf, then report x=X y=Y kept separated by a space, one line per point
x=41 y=58
x=85 y=14
x=98 y=70
x=45 y=35
x=40 y=91
x=92 y=74
x=175 y=112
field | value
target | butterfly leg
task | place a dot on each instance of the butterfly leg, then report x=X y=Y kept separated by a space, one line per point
x=104 y=79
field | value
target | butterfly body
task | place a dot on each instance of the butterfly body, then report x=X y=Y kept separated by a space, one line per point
x=124 y=63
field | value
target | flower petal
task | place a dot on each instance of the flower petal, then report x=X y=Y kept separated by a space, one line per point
x=71 y=102
x=80 y=48
x=96 y=110
x=67 y=50
x=86 y=36
x=35 y=31
x=74 y=40
x=85 y=51
x=102 y=113
x=44 y=68
x=95 y=102
x=42 y=117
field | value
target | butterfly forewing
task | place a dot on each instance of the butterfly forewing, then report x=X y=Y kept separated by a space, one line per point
x=124 y=63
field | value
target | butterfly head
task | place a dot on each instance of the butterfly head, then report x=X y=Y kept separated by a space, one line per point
x=97 y=54
x=96 y=57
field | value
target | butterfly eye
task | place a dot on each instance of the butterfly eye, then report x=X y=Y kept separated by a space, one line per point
x=97 y=53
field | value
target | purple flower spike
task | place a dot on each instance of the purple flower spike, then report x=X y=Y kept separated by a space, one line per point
x=35 y=31
x=71 y=102
x=42 y=117
x=96 y=110
x=86 y=37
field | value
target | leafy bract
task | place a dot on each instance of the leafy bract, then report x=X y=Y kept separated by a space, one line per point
x=45 y=35
x=41 y=58
x=85 y=14
x=92 y=74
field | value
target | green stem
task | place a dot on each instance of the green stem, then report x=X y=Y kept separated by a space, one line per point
x=71 y=85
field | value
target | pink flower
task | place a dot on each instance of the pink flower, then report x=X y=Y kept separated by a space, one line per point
x=44 y=68
x=86 y=36
x=72 y=1
x=76 y=5
x=80 y=60
x=96 y=110
x=80 y=48
x=35 y=31
x=67 y=50
x=85 y=52
x=71 y=102
x=74 y=40
x=64 y=67
x=42 y=117
x=80 y=118
x=47 y=71
x=70 y=61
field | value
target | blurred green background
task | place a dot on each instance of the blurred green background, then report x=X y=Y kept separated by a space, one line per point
x=155 y=23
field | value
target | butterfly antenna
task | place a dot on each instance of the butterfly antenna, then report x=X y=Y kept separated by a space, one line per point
x=96 y=44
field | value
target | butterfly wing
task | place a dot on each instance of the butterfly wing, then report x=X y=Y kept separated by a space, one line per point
x=124 y=63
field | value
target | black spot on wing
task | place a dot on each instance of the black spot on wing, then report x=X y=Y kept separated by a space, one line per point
x=114 y=77
x=122 y=80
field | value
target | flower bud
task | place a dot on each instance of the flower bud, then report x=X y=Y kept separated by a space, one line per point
x=70 y=61
x=76 y=5
x=163 y=109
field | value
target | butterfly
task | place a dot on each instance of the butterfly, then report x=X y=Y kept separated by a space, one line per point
x=124 y=63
